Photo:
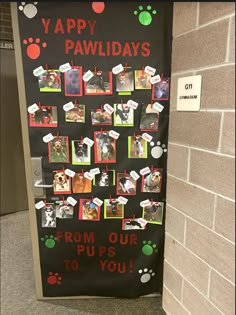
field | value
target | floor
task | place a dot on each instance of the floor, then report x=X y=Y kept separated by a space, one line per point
x=17 y=281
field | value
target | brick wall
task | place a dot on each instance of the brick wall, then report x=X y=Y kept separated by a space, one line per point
x=200 y=244
x=5 y=22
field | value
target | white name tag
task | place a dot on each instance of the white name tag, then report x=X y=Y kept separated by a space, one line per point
x=88 y=175
x=97 y=201
x=150 y=70
x=88 y=141
x=117 y=69
x=69 y=172
x=71 y=201
x=48 y=138
x=142 y=221
x=155 y=79
x=68 y=106
x=87 y=76
x=132 y=104
x=38 y=71
x=114 y=134
x=39 y=205
x=33 y=108
x=157 y=106
x=145 y=203
x=145 y=170
x=95 y=171
x=108 y=109
x=122 y=200
x=65 y=67
x=134 y=175
x=147 y=137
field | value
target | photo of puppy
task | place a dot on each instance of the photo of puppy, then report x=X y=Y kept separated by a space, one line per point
x=125 y=81
x=137 y=147
x=50 y=81
x=76 y=114
x=73 y=82
x=132 y=224
x=61 y=183
x=142 y=80
x=125 y=184
x=123 y=115
x=45 y=116
x=160 y=90
x=64 y=210
x=81 y=153
x=100 y=117
x=80 y=184
x=104 y=148
x=99 y=84
x=104 y=179
x=58 y=150
x=149 y=120
x=154 y=212
x=49 y=216
x=152 y=181
x=113 y=209
x=88 y=210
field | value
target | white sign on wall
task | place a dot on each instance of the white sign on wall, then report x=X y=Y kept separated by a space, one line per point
x=189 y=93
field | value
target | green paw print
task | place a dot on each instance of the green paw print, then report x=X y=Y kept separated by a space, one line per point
x=149 y=248
x=145 y=16
x=49 y=241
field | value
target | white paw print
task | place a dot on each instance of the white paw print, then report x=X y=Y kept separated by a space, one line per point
x=157 y=150
x=29 y=9
x=146 y=275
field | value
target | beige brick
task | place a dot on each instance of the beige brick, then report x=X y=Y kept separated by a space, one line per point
x=188 y=265
x=196 y=303
x=225 y=218
x=203 y=47
x=173 y=281
x=213 y=249
x=171 y=306
x=177 y=162
x=228 y=134
x=222 y=294
x=213 y=171
x=198 y=129
x=218 y=90
x=192 y=201
x=209 y=11
x=175 y=223
x=232 y=41
x=184 y=17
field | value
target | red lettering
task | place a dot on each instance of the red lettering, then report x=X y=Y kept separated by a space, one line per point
x=126 y=50
x=78 y=48
x=146 y=49
x=116 y=48
x=121 y=268
x=90 y=47
x=111 y=266
x=59 y=236
x=103 y=264
x=68 y=237
x=67 y=264
x=70 y=25
x=71 y=264
x=111 y=251
x=69 y=44
x=45 y=24
x=90 y=250
x=89 y=237
x=80 y=249
x=102 y=250
x=124 y=239
x=113 y=238
x=91 y=26
x=135 y=47
x=81 y=24
x=100 y=52
x=77 y=237
x=133 y=239
x=59 y=27
x=108 y=48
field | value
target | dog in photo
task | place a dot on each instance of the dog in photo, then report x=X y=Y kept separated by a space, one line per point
x=61 y=182
x=152 y=182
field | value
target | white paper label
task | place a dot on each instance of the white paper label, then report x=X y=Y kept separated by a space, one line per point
x=145 y=170
x=132 y=104
x=88 y=141
x=68 y=106
x=122 y=200
x=97 y=201
x=33 y=108
x=150 y=70
x=134 y=175
x=87 y=76
x=65 y=67
x=147 y=137
x=108 y=109
x=157 y=106
x=155 y=79
x=145 y=203
x=69 y=172
x=39 y=205
x=71 y=201
x=114 y=134
x=117 y=69
x=88 y=175
x=142 y=221
x=95 y=171
x=48 y=138
x=38 y=71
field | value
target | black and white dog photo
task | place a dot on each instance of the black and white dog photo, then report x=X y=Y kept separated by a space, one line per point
x=132 y=224
x=105 y=147
x=124 y=115
x=152 y=181
x=81 y=152
x=104 y=179
x=138 y=147
x=126 y=185
x=154 y=212
x=49 y=216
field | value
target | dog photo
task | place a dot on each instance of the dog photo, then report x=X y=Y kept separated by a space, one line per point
x=45 y=116
x=160 y=90
x=81 y=184
x=76 y=114
x=104 y=179
x=58 y=150
x=49 y=216
x=125 y=81
x=142 y=80
x=104 y=148
x=99 y=84
x=81 y=153
x=123 y=115
x=152 y=182
x=154 y=212
x=64 y=210
x=113 y=209
x=61 y=183
x=149 y=120
x=132 y=224
x=88 y=210
x=137 y=147
x=100 y=117
x=73 y=82
x=50 y=81
x=125 y=184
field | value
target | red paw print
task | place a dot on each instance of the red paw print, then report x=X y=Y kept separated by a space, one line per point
x=33 y=49
x=53 y=278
